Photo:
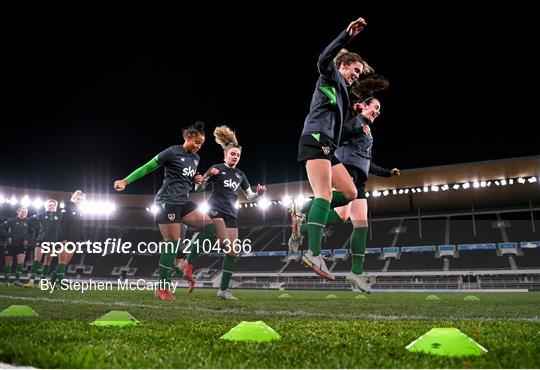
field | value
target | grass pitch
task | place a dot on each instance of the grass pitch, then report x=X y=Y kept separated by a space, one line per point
x=316 y=332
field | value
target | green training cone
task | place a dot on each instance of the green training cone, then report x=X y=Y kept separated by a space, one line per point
x=446 y=342
x=331 y=296
x=432 y=297
x=361 y=297
x=116 y=318
x=252 y=331
x=284 y=296
x=18 y=311
x=471 y=298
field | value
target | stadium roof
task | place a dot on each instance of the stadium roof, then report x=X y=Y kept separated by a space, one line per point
x=487 y=193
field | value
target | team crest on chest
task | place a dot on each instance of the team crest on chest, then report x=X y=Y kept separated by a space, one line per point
x=326 y=150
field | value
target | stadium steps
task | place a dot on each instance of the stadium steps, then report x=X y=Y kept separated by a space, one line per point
x=284 y=267
x=394 y=242
x=512 y=261
x=502 y=229
x=386 y=264
x=446 y=262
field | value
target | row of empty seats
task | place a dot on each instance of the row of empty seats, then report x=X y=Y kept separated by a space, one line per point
x=146 y=265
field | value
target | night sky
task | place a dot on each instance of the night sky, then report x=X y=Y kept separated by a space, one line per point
x=86 y=102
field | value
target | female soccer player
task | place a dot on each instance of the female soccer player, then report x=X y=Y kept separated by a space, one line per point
x=47 y=224
x=227 y=180
x=320 y=136
x=355 y=154
x=16 y=231
x=71 y=229
x=180 y=162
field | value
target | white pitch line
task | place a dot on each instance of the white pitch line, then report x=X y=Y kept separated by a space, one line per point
x=3 y=365
x=260 y=312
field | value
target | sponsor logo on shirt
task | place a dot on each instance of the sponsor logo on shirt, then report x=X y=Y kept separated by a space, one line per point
x=231 y=184
x=190 y=172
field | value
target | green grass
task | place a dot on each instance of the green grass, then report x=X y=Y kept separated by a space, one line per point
x=316 y=332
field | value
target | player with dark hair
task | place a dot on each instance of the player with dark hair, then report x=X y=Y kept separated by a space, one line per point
x=172 y=199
